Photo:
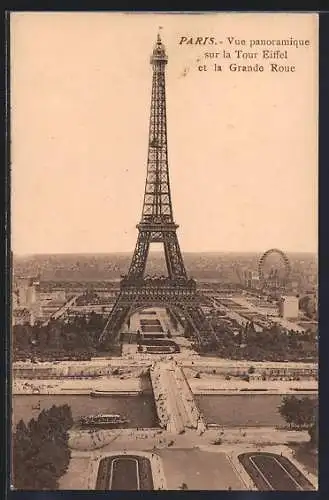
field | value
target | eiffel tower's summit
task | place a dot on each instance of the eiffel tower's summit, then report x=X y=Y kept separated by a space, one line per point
x=159 y=52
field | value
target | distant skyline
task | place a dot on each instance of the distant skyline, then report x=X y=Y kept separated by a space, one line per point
x=77 y=254
x=242 y=148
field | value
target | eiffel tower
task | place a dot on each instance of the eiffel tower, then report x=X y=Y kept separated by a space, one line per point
x=176 y=292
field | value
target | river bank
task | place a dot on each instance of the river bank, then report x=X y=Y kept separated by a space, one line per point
x=110 y=385
x=218 y=385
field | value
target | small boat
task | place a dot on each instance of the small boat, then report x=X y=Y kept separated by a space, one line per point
x=103 y=420
x=36 y=407
x=99 y=394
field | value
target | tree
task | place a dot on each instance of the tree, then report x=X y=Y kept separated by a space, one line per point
x=289 y=409
x=313 y=433
x=22 y=336
x=95 y=321
x=21 y=450
x=40 y=449
x=239 y=336
x=298 y=411
x=308 y=305
x=307 y=411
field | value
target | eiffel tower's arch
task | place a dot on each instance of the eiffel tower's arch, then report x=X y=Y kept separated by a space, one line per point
x=180 y=310
x=190 y=312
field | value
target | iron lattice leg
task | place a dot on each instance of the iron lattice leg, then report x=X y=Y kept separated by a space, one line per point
x=118 y=316
x=138 y=263
x=174 y=260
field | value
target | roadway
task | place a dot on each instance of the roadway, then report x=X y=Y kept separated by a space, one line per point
x=62 y=310
x=174 y=400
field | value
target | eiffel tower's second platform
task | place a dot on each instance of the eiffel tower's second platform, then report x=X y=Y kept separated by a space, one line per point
x=162 y=289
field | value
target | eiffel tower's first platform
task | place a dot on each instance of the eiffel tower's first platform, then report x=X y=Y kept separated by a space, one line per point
x=177 y=291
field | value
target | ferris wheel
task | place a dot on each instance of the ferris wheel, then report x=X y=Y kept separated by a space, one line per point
x=274 y=269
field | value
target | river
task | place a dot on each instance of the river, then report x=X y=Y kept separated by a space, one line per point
x=139 y=410
x=242 y=410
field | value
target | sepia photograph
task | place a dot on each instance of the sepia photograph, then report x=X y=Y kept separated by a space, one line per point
x=164 y=251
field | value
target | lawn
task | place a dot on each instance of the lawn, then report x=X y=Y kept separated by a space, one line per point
x=274 y=472
x=127 y=472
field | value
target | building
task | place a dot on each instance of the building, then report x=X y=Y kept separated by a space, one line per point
x=288 y=307
x=22 y=316
x=58 y=295
x=26 y=300
x=252 y=279
x=25 y=292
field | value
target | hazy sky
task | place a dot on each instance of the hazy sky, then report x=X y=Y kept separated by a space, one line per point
x=242 y=146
